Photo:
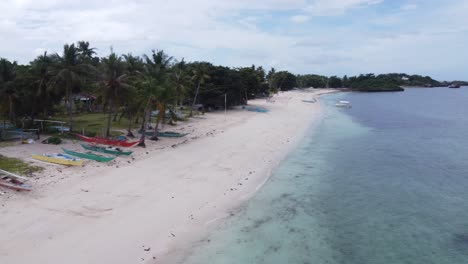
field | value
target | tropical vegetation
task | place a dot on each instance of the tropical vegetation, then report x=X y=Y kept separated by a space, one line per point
x=125 y=91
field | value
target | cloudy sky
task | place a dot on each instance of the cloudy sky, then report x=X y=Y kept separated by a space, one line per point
x=331 y=37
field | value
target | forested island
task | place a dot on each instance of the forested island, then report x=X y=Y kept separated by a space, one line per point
x=78 y=80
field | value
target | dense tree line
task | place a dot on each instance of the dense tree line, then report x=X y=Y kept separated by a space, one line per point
x=133 y=85
x=137 y=85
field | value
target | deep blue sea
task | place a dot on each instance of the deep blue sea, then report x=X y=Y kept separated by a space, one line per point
x=385 y=182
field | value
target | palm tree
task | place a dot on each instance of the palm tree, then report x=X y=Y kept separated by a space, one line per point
x=180 y=80
x=199 y=76
x=7 y=89
x=154 y=85
x=148 y=90
x=115 y=79
x=86 y=53
x=42 y=71
x=135 y=64
x=133 y=103
x=71 y=70
x=158 y=64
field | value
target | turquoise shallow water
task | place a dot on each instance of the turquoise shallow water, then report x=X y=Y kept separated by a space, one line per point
x=383 y=182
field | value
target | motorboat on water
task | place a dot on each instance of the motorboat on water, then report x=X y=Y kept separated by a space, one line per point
x=454 y=85
x=345 y=104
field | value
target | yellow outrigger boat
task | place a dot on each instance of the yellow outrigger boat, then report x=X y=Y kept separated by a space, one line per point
x=62 y=159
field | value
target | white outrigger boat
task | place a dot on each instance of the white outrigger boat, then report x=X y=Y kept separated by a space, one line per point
x=345 y=104
x=13 y=181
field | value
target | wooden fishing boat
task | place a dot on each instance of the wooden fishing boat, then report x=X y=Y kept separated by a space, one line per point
x=109 y=142
x=88 y=155
x=164 y=134
x=61 y=159
x=13 y=181
x=108 y=150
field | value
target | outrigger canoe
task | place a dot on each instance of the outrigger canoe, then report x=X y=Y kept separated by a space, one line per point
x=59 y=159
x=107 y=150
x=164 y=134
x=13 y=181
x=109 y=142
x=88 y=155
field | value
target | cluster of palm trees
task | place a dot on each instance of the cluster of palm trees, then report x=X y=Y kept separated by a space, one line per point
x=134 y=85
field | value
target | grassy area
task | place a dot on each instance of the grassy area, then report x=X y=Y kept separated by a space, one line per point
x=17 y=166
x=6 y=144
x=96 y=122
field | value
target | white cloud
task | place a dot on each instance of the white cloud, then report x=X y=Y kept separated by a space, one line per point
x=408 y=7
x=337 y=7
x=300 y=19
x=246 y=32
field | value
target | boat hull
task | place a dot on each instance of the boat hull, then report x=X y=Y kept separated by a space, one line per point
x=66 y=162
x=13 y=181
x=89 y=156
x=164 y=134
x=107 y=151
x=14 y=184
x=109 y=142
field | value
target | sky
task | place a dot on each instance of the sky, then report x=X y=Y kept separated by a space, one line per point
x=330 y=37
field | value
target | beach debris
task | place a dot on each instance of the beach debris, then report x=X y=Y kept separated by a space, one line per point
x=147 y=249
x=172 y=234
x=84 y=190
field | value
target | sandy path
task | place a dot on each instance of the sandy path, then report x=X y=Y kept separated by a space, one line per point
x=157 y=204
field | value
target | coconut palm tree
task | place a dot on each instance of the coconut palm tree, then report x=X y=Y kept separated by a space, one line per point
x=199 y=77
x=180 y=80
x=43 y=74
x=7 y=89
x=148 y=87
x=154 y=84
x=115 y=78
x=86 y=53
x=69 y=75
x=158 y=64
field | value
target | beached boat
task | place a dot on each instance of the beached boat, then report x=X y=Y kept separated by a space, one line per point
x=164 y=134
x=59 y=159
x=256 y=109
x=345 y=104
x=88 y=155
x=310 y=101
x=109 y=142
x=59 y=128
x=13 y=181
x=108 y=150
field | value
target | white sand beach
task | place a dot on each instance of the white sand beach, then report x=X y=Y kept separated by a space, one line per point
x=146 y=208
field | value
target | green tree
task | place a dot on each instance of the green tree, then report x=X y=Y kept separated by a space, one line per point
x=42 y=72
x=335 y=82
x=199 y=76
x=7 y=88
x=115 y=78
x=71 y=69
x=284 y=81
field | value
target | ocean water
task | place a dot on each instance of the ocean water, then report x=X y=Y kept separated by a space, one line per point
x=383 y=182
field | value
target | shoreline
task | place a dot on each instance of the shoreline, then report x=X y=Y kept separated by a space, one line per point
x=153 y=207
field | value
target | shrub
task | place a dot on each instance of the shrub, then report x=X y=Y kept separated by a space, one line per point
x=54 y=140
